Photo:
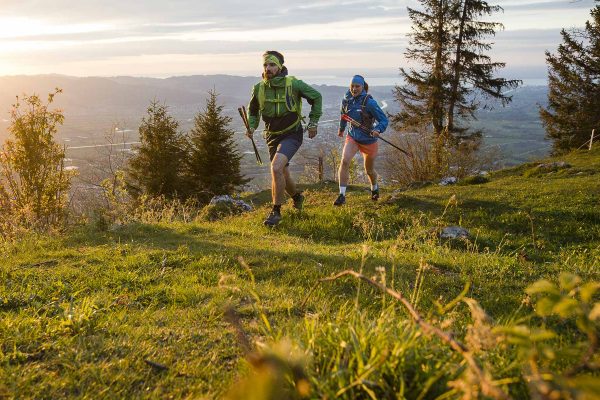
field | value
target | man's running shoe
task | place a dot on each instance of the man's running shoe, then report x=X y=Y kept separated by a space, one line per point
x=375 y=194
x=341 y=199
x=298 y=201
x=273 y=219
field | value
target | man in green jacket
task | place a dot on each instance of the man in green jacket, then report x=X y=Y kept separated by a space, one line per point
x=278 y=98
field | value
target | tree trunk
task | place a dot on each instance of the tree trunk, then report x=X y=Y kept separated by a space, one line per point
x=457 y=65
x=437 y=103
x=438 y=89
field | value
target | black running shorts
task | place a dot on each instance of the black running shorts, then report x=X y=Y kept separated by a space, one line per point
x=287 y=143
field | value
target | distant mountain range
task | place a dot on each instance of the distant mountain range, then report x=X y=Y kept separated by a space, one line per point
x=124 y=96
x=92 y=105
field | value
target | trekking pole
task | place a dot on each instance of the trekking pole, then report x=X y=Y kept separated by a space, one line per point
x=258 y=159
x=357 y=124
x=244 y=115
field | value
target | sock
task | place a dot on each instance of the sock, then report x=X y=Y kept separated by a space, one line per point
x=343 y=190
x=374 y=187
x=277 y=208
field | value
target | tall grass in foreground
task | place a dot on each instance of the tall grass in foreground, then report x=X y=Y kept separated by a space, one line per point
x=393 y=351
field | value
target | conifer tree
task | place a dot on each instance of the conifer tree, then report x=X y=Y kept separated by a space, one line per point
x=447 y=41
x=424 y=94
x=156 y=169
x=213 y=161
x=574 y=87
x=472 y=69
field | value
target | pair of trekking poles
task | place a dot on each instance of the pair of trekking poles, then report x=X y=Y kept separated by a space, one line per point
x=345 y=117
x=357 y=124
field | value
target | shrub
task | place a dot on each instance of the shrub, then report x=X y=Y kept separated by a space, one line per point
x=420 y=165
x=34 y=184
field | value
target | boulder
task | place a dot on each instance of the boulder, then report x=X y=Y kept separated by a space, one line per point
x=223 y=206
x=448 y=180
x=454 y=232
x=228 y=200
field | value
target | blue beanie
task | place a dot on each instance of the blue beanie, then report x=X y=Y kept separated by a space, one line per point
x=358 y=80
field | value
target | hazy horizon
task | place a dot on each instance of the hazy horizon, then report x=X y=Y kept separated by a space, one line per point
x=530 y=76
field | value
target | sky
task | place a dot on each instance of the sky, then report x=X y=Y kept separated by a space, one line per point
x=158 y=38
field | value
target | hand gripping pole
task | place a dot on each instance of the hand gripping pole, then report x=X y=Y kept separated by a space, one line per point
x=244 y=115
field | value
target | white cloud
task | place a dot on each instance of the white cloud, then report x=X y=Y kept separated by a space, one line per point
x=158 y=38
x=16 y=27
x=357 y=30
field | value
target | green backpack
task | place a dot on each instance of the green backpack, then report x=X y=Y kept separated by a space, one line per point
x=292 y=104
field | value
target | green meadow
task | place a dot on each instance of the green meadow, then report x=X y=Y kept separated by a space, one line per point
x=231 y=308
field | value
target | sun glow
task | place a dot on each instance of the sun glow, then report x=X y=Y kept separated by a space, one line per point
x=20 y=28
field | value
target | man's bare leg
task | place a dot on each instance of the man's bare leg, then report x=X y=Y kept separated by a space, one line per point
x=292 y=190
x=278 y=186
x=290 y=185
x=278 y=179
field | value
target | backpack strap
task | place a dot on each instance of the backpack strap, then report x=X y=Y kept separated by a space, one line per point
x=292 y=103
x=344 y=105
x=261 y=96
x=367 y=118
x=363 y=106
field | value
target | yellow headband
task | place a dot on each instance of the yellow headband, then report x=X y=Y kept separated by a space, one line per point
x=271 y=58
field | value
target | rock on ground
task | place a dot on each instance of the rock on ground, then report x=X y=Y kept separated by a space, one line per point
x=228 y=200
x=448 y=180
x=454 y=232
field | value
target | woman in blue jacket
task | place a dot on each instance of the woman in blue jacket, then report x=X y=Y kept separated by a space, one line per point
x=361 y=107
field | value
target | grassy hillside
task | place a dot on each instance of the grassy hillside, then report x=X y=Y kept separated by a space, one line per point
x=138 y=311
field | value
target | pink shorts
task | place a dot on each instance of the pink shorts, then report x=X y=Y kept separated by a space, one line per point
x=365 y=149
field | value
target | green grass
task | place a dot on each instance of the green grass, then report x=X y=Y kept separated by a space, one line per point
x=80 y=313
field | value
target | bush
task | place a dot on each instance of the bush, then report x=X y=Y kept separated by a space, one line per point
x=425 y=163
x=420 y=165
x=467 y=157
x=34 y=184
